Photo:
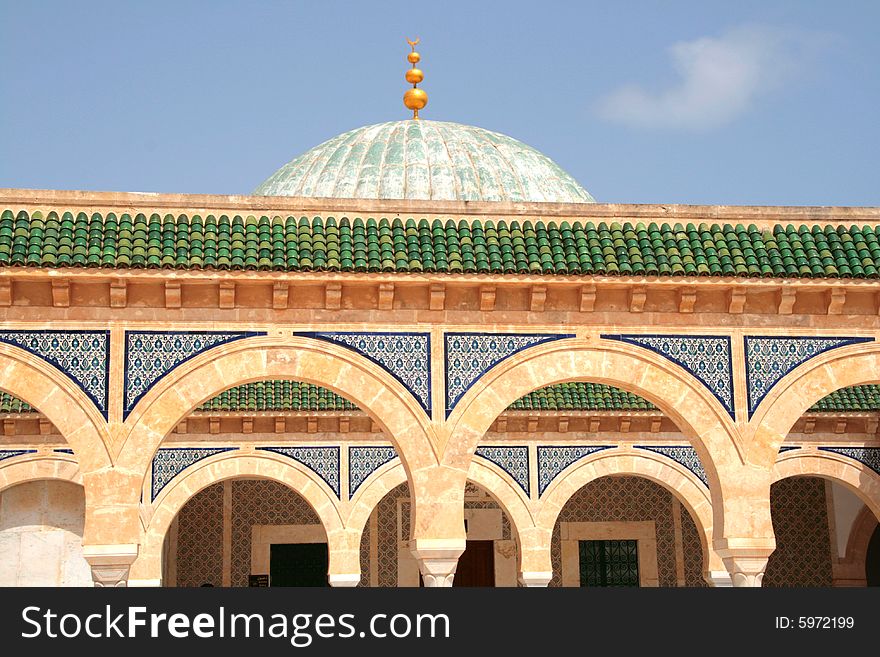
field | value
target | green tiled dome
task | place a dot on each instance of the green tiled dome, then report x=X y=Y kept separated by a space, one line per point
x=250 y=243
x=431 y=160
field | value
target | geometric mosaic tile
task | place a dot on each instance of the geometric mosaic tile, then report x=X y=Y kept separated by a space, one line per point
x=513 y=460
x=554 y=459
x=788 y=448
x=686 y=456
x=467 y=356
x=63 y=450
x=9 y=453
x=171 y=461
x=323 y=461
x=769 y=358
x=150 y=355
x=406 y=356
x=84 y=356
x=364 y=461
x=707 y=357
x=869 y=456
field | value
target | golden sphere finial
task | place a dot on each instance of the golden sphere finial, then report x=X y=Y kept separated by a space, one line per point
x=415 y=98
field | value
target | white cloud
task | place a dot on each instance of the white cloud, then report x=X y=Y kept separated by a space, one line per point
x=720 y=79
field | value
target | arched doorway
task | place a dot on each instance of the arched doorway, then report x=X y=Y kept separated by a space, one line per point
x=625 y=531
x=246 y=532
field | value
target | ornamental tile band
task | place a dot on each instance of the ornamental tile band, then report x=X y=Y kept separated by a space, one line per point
x=63 y=450
x=769 y=358
x=323 y=461
x=171 y=461
x=513 y=460
x=11 y=453
x=364 y=461
x=405 y=356
x=707 y=357
x=686 y=456
x=788 y=448
x=150 y=355
x=552 y=460
x=869 y=456
x=467 y=356
x=84 y=356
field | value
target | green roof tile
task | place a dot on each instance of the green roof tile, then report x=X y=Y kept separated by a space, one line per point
x=262 y=243
x=577 y=396
x=10 y=404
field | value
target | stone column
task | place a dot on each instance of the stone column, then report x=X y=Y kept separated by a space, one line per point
x=112 y=531
x=438 y=559
x=110 y=563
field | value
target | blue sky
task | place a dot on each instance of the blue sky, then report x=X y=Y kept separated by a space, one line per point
x=749 y=102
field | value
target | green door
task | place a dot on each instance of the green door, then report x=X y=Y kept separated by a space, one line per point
x=609 y=563
x=298 y=564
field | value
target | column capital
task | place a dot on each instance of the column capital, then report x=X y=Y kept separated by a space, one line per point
x=438 y=559
x=745 y=559
x=535 y=579
x=344 y=580
x=110 y=563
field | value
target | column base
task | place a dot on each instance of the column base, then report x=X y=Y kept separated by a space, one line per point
x=344 y=580
x=110 y=563
x=438 y=559
x=535 y=579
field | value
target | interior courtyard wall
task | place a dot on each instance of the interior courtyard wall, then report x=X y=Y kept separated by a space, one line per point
x=41 y=528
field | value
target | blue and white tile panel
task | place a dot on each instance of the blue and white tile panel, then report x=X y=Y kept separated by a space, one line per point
x=405 y=356
x=869 y=456
x=686 y=456
x=769 y=358
x=707 y=357
x=84 y=356
x=171 y=461
x=150 y=355
x=513 y=460
x=323 y=461
x=552 y=460
x=364 y=461
x=467 y=356
x=12 y=453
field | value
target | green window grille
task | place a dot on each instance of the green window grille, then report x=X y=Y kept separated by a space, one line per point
x=609 y=563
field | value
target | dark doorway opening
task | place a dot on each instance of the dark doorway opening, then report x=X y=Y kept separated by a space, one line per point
x=476 y=566
x=609 y=563
x=298 y=564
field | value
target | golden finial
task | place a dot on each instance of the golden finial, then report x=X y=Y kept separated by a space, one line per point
x=414 y=99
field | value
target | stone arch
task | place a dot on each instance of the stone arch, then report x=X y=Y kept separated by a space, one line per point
x=863 y=528
x=679 y=394
x=801 y=388
x=58 y=398
x=675 y=478
x=683 y=398
x=856 y=476
x=54 y=466
x=381 y=482
x=239 y=465
x=513 y=500
x=296 y=358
